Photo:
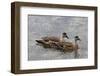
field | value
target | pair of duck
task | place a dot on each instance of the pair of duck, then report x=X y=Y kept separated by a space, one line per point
x=60 y=43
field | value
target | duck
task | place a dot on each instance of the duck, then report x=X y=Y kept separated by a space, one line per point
x=64 y=46
x=56 y=39
x=70 y=47
x=52 y=41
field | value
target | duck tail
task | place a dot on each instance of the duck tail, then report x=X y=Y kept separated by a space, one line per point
x=39 y=41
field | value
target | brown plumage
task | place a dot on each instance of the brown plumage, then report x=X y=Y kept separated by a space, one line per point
x=55 y=39
x=54 y=42
x=69 y=47
x=52 y=38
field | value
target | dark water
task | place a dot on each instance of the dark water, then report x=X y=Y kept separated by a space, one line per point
x=40 y=26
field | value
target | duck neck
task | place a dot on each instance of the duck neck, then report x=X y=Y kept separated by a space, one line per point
x=62 y=39
x=75 y=41
x=76 y=49
x=76 y=44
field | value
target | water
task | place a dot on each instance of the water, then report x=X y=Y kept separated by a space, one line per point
x=40 y=26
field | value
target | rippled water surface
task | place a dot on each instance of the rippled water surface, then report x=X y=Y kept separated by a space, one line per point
x=40 y=26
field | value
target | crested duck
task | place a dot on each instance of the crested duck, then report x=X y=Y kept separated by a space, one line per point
x=60 y=43
x=69 y=46
x=56 y=39
x=52 y=41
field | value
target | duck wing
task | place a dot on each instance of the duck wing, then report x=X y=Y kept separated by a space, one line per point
x=68 y=46
x=52 y=38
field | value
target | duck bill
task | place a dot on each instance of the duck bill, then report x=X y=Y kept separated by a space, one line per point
x=79 y=39
x=67 y=37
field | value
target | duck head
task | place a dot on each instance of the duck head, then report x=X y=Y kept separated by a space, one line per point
x=77 y=38
x=65 y=35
